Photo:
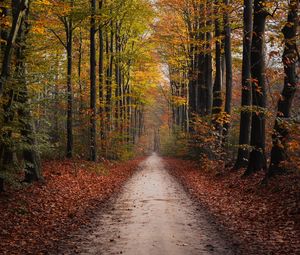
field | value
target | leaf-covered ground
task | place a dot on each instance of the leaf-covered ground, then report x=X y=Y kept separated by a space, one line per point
x=262 y=219
x=34 y=219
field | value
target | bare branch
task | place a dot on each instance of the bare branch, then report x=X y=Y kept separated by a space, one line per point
x=58 y=37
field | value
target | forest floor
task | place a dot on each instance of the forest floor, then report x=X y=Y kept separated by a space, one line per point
x=34 y=219
x=138 y=207
x=261 y=219
x=152 y=215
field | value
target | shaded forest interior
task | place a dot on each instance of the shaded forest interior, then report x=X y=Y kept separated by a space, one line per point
x=85 y=85
x=113 y=79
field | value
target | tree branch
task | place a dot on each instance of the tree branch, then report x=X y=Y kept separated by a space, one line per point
x=58 y=37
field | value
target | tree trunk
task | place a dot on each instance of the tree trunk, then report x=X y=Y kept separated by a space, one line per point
x=3 y=37
x=16 y=25
x=208 y=73
x=6 y=159
x=101 y=79
x=69 y=31
x=245 y=121
x=118 y=80
x=20 y=95
x=192 y=84
x=109 y=72
x=290 y=58
x=80 y=83
x=208 y=69
x=129 y=114
x=55 y=134
x=2 y=185
x=228 y=62
x=93 y=144
x=30 y=152
x=3 y=32
x=217 y=90
x=30 y=155
x=201 y=78
x=257 y=160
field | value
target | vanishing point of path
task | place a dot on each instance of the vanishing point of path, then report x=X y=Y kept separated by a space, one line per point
x=153 y=215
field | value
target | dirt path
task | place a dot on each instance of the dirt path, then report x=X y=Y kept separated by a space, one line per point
x=153 y=216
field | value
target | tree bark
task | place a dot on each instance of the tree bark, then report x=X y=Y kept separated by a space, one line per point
x=290 y=59
x=20 y=96
x=55 y=132
x=192 y=84
x=118 y=77
x=208 y=68
x=69 y=48
x=245 y=121
x=101 y=79
x=3 y=37
x=208 y=74
x=30 y=152
x=257 y=160
x=109 y=75
x=228 y=62
x=93 y=144
x=3 y=32
x=217 y=89
x=79 y=69
x=16 y=25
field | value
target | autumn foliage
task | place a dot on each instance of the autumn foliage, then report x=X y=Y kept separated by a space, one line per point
x=102 y=81
x=36 y=218
x=260 y=219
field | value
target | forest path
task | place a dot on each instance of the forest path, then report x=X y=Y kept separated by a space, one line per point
x=153 y=216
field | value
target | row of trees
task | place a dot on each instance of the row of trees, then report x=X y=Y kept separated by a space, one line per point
x=73 y=76
x=201 y=47
x=78 y=76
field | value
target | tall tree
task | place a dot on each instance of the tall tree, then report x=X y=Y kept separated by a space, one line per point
x=228 y=62
x=3 y=39
x=31 y=154
x=16 y=105
x=290 y=59
x=67 y=21
x=21 y=9
x=208 y=60
x=101 y=78
x=109 y=75
x=245 y=120
x=217 y=89
x=257 y=160
x=93 y=110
